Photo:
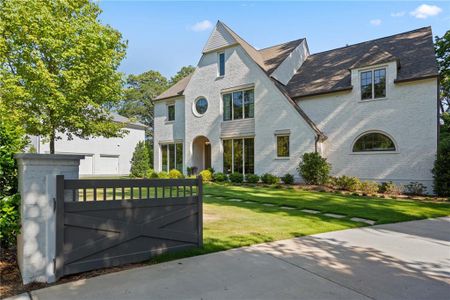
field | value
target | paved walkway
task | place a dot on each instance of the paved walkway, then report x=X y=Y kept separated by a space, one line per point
x=398 y=261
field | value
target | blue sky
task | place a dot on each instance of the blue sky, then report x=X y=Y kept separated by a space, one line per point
x=164 y=36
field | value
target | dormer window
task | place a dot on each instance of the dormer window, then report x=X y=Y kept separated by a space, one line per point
x=373 y=84
x=221 y=63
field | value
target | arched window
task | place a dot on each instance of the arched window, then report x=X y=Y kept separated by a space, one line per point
x=373 y=141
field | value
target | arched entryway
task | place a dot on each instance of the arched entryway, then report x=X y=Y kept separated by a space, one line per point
x=201 y=153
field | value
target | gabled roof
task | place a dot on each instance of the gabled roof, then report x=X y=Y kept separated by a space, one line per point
x=175 y=90
x=329 y=71
x=273 y=56
x=124 y=120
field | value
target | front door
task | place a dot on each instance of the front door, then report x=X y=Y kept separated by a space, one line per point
x=207 y=156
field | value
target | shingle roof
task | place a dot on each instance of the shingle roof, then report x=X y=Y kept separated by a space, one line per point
x=124 y=120
x=329 y=71
x=176 y=90
x=275 y=55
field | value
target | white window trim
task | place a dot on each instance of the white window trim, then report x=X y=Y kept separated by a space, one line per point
x=372 y=70
x=281 y=134
x=194 y=108
x=243 y=103
x=396 y=151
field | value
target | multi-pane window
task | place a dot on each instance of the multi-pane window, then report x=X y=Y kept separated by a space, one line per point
x=239 y=105
x=239 y=156
x=172 y=157
x=373 y=141
x=282 y=145
x=171 y=112
x=373 y=84
x=221 y=64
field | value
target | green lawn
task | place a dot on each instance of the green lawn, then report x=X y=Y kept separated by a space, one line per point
x=235 y=224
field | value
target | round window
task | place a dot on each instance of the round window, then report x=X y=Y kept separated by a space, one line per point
x=201 y=105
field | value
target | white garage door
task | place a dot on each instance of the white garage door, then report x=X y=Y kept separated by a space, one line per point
x=107 y=165
x=87 y=165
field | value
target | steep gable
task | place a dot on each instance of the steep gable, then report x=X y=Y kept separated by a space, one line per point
x=219 y=38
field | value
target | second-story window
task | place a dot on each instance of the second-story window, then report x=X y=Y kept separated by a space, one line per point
x=171 y=112
x=221 y=63
x=373 y=84
x=239 y=105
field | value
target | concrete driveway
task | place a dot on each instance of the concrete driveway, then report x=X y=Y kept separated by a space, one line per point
x=398 y=261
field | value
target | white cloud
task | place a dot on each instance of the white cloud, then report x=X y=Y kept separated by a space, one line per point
x=201 y=26
x=424 y=11
x=375 y=22
x=398 y=14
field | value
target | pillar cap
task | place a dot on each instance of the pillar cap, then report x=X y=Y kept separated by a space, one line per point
x=38 y=156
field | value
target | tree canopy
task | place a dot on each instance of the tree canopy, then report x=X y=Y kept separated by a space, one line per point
x=142 y=89
x=442 y=49
x=58 y=67
x=184 y=71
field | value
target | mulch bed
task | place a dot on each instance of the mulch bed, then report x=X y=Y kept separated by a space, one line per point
x=11 y=281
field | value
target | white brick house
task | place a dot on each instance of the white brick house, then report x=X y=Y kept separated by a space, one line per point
x=369 y=108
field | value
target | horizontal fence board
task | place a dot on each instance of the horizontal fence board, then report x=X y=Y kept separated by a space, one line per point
x=128 y=204
x=70 y=184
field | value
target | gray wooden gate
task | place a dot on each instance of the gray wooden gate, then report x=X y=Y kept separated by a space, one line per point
x=110 y=222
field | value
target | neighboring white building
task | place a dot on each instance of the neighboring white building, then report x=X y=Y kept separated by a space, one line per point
x=369 y=108
x=102 y=156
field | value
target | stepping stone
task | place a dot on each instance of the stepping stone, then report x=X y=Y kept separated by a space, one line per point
x=249 y=202
x=268 y=204
x=287 y=207
x=235 y=200
x=310 y=211
x=367 y=221
x=219 y=197
x=336 y=216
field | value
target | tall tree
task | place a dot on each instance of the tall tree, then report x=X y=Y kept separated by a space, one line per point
x=442 y=49
x=58 y=67
x=139 y=93
x=142 y=89
x=184 y=71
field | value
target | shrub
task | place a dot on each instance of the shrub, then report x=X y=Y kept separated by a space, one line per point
x=347 y=183
x=236 y=177
x=163 y=175
x=175 y=174
x=151 y=174
x=269 y=178
x=191 y=170
x=12 y=141
x=288 y=179
x=415 y=188
x=206 y=175
x=220 y=177
x=9 y=220
x=252 y=178
x=313 y=168
x=441 y=170
x=389 y=188
x=211 y=170
x=368 y=187
x=140 y=162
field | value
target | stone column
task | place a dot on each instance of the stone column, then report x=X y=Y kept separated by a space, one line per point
x=37 y=187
